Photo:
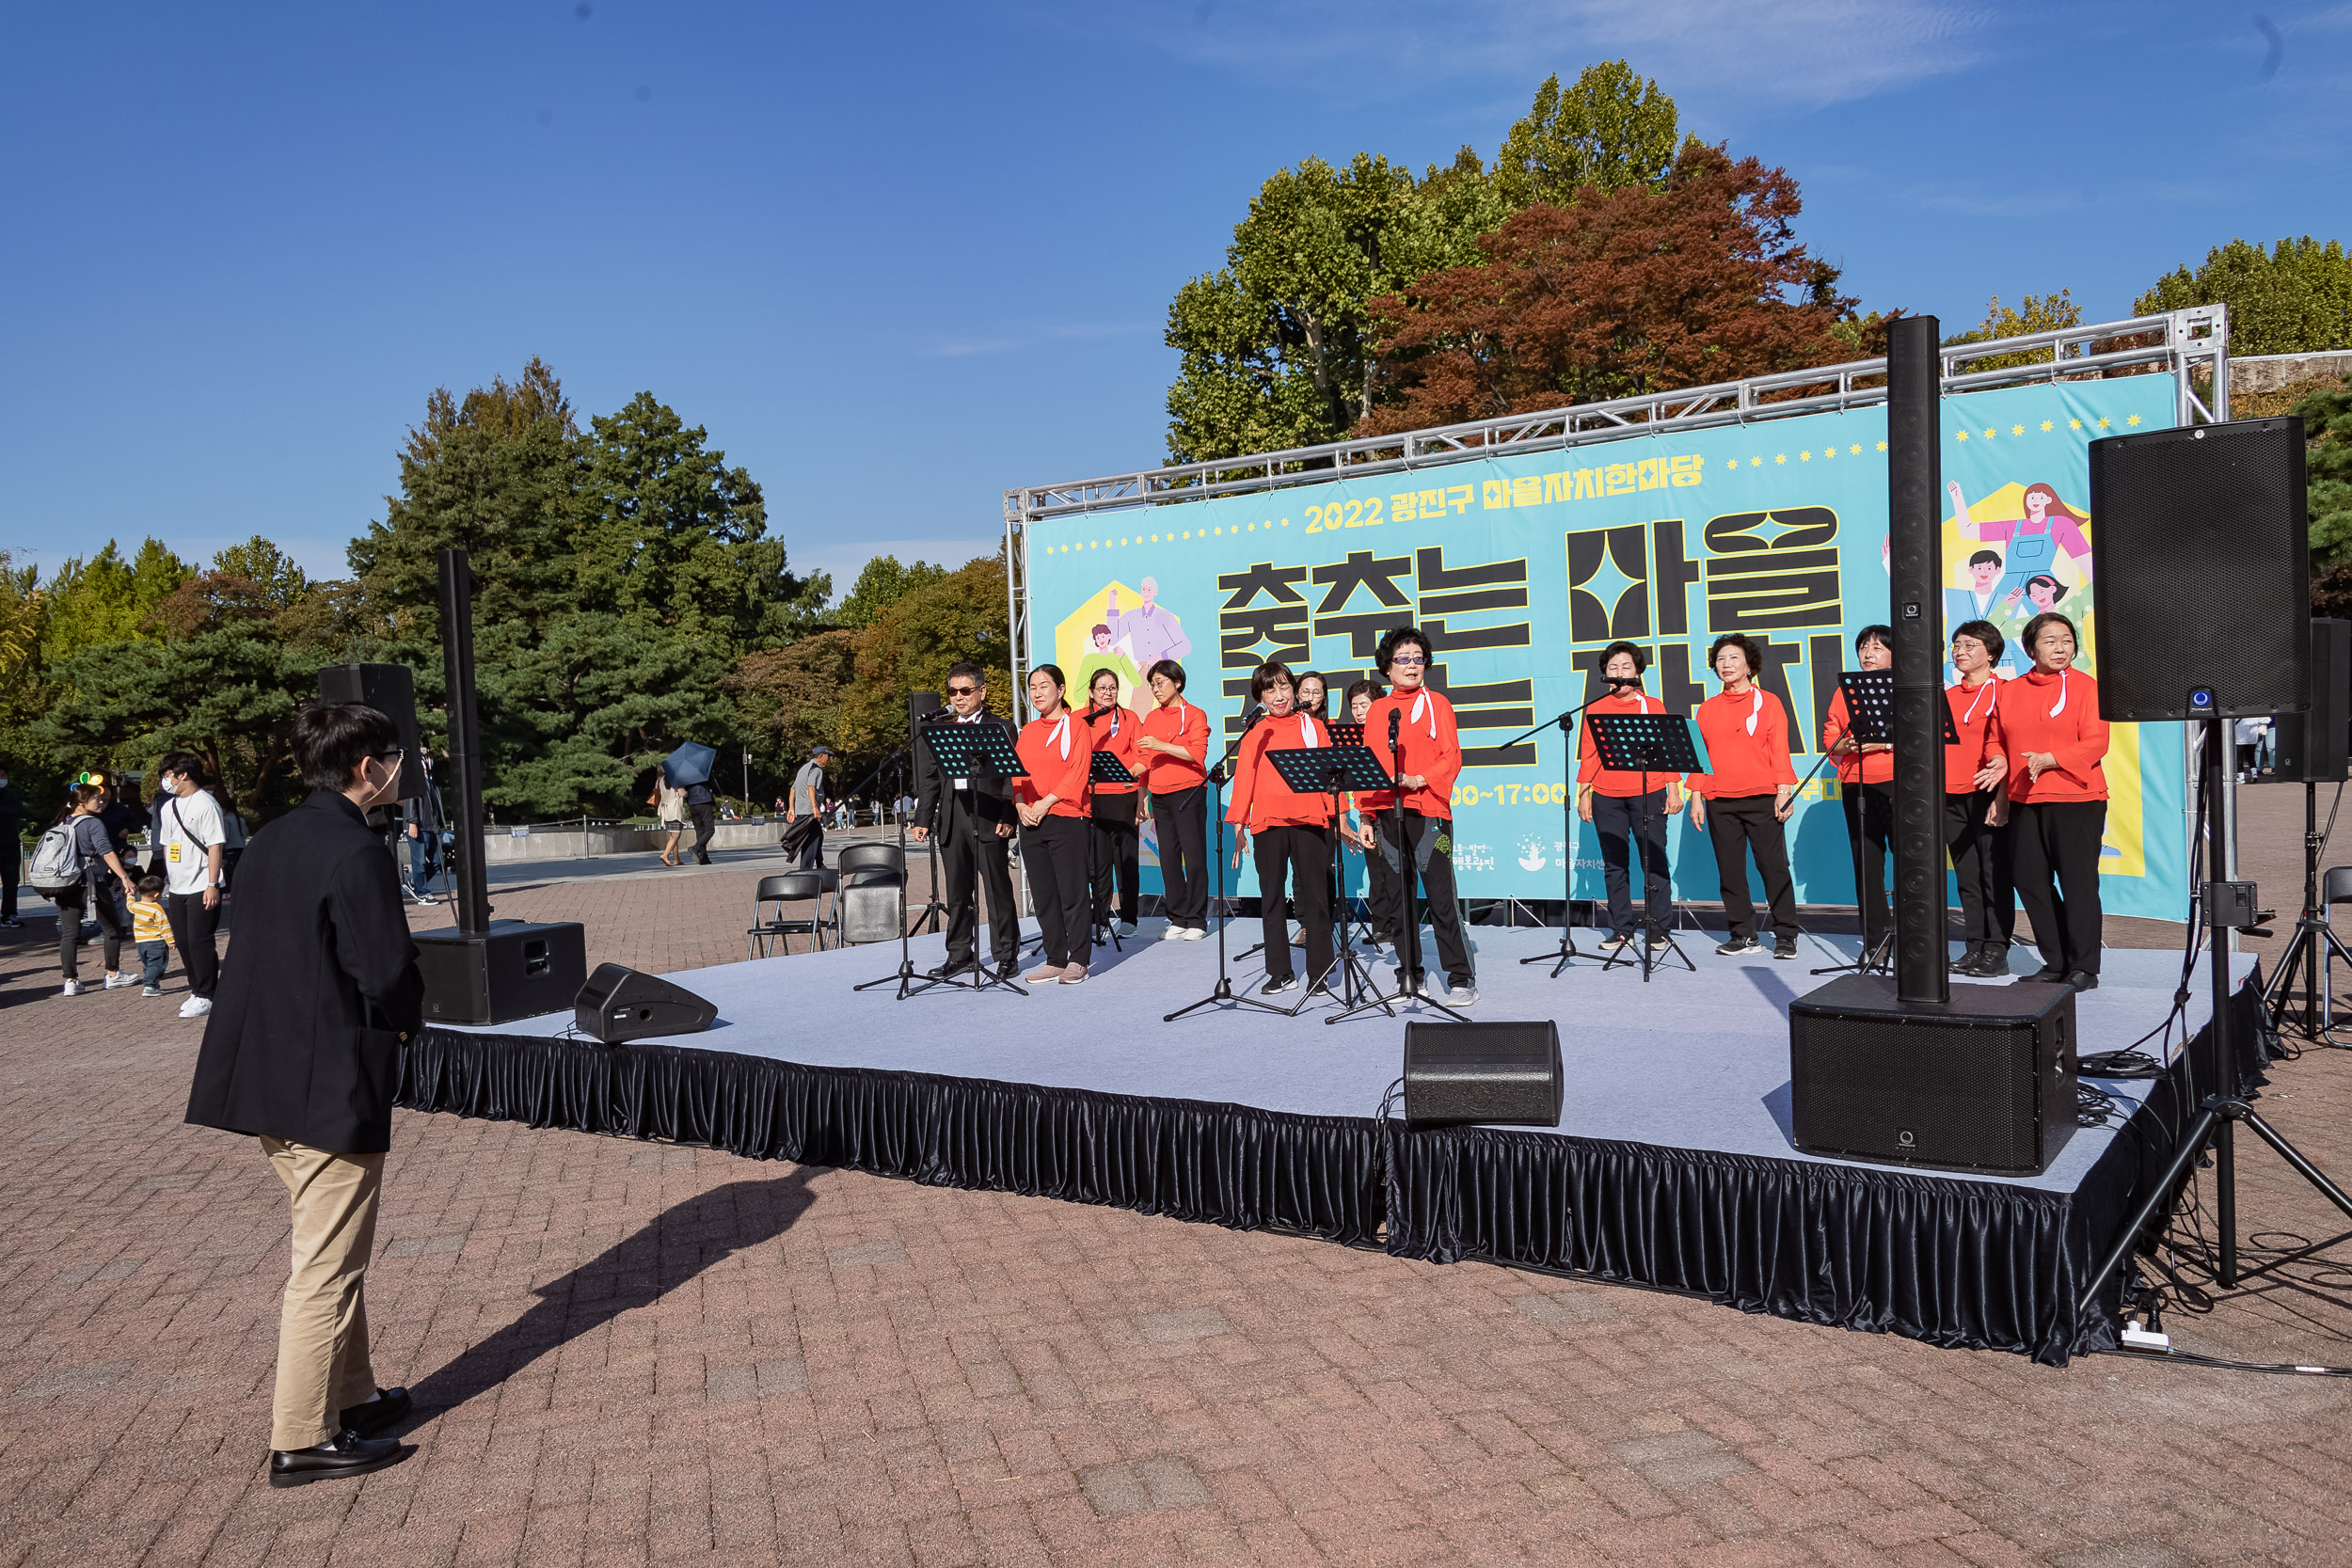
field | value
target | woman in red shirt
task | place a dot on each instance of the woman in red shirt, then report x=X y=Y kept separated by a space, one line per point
x=1746 y=795
x=1052 y=802
x=1294 y=831
x=1365 y=809
x=1172 y=742
x=1866 y=787
x=1972 y=771
x=1116 y=850
x=1625 y=807
x=1427 y=759
x=2056 y=799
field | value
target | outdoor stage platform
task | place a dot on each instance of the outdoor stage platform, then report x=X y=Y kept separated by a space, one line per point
x=1672 y=1166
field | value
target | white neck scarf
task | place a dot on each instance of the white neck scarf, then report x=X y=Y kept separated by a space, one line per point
x=1421 y=702
x=1306 y=731
x=1061 y=733
x=2061 y=702
x=1992 y=683
x=1756 y=708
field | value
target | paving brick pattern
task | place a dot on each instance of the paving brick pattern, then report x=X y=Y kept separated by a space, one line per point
x=627 y=1352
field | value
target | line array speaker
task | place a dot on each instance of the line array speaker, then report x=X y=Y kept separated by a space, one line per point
x=2316 y=747
x=1983 y=1083
x=620 y=1004
x=392 y=691
x=2204 y=570
x=1458 y=1074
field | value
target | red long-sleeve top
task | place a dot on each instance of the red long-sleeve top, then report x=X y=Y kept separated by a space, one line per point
x=1115 y=730
x=1427 y=743
x=2073 y=734
x=1056 y=752
x=1871 y=768
x=1976 y=717
x=1743 y=760
x=1261 y=799
x=1610 y=781
x=1179 y=724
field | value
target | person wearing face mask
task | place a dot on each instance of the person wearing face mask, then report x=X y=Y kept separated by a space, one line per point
x=1866 y=787
x=1748 y=794
x=302 y=1051
x=1972 y=771
x=2054 y=801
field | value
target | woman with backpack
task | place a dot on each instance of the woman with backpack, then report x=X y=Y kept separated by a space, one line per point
x=66 y=866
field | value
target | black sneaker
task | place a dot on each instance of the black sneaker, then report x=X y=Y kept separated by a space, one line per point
x=1990 y=962
x=1784 y=947
x=1738 y=944
x=1277 y=984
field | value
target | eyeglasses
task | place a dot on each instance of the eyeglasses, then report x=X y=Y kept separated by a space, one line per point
x=395 y=752
x=963 y=690
x=1408 y=660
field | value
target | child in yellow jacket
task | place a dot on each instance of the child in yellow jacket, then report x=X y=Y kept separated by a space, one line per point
x=151 y=930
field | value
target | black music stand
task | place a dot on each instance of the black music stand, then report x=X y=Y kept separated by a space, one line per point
x=1223 y=992
x=1870 y=718
x=1349 y=735
x=1329 y=769
x=1645 y=743
x=977 y=751
x=1103 y=767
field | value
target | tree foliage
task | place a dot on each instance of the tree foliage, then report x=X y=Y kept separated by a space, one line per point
x=2327 y=427
x=1626 y=292
x=106 y=598
x=1609 y=129
x=883 y=583
x=2293 y=298
x=2038 y=313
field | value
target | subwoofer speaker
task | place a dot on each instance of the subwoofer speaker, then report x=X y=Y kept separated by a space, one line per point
x=1459 y=1074
x=2203 y=579
x=515 y=969
x=2315 y=746
x=621 y=1004
x=1982 y=1083
x=392 y=691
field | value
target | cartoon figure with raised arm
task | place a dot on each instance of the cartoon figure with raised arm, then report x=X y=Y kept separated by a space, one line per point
x=2034 y=540
x=1150 y=634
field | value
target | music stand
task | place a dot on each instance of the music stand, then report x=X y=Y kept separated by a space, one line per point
x=1327 y=770
x=1645 y=743
x=1223 y=992
x=1348 y=735
x=1870 y=718
x=976 y=751
x=1103 y=767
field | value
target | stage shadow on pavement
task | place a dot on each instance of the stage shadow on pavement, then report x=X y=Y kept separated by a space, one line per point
x=677 y=1245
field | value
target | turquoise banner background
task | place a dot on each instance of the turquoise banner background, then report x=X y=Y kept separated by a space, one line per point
x=1523 y=567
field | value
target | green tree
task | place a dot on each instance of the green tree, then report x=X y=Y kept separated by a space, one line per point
x=2327 y=426
x=2292 y=298
x=883 y=583
x=2038 y=313
x=1609 y=129
x=107 y=599
x=271 y=570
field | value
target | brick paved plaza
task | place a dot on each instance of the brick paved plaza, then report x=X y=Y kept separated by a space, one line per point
x=629 y=1353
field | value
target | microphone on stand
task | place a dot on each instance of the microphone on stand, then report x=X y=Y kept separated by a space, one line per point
x=1622 y=680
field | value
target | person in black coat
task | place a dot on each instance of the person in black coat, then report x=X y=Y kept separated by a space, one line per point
x=318 y=993
x=974 y=820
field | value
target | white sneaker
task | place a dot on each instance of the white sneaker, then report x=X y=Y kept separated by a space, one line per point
x=73 y=988
x=1126 y=927
x=1195 y=933
x=195 y=1007
x=118 y=981
x=1173 y=933
x=1461 y=996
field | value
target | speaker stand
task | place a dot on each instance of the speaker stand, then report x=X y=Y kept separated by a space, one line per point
x=1877 y=958
x=2313 y=944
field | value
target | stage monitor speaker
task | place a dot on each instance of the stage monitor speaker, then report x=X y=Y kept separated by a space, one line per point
x=620 y=1004
x=1982 y=1083
x=2315 y=746
x=392 y=691
x=515 y=969
x=1459 y=1074
x=921 y=705
x=2203 y=580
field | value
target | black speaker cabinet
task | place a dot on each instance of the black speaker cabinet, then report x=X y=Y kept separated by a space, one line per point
x=1457 y=1074
x=514 y=970
x=620 y=1004
x=2312 y=745
x=392 y=691
x=2204 y=570
x=1983 y=1083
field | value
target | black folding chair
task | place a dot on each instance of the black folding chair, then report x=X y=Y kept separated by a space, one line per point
x=790 y=887
x=870 y=903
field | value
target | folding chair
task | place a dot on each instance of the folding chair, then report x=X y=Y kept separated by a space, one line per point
x=870 y=904
x=790 y=887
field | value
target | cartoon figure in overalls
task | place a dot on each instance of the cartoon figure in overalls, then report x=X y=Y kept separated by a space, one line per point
x=2034 y=540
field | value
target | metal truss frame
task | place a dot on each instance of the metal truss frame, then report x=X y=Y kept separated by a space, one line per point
x=2177 y=343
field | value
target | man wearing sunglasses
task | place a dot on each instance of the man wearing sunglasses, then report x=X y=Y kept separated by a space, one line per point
x=302 y=1051
x=974 y=820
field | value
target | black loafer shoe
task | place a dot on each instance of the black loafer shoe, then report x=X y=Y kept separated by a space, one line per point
x=389 y=1407
x=2082 y=980
x=2047 y=976
x=347 y=1453
x=951 y=969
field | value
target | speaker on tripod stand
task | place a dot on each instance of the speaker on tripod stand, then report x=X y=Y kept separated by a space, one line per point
x=2313 y=751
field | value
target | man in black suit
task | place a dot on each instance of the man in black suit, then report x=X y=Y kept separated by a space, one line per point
x=974 y=818
x=318 y=994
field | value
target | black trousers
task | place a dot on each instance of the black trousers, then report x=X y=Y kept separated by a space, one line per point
x=1117 y=851
x=1980 y=856
x=1380 y=891
x=2055 y=847
x=1303 y=856
x=1055 y=854
x=193 y=930
x=1870 y=834
x=1620 y=819
x=703 y=818
x=1438 y=904
x=1737 y=828
x=1184 y=819
x=100 y=902
x=976 y=860
x=12 y=867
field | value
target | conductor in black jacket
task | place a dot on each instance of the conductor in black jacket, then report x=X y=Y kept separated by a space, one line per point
x=975 y=821
x=318 y=993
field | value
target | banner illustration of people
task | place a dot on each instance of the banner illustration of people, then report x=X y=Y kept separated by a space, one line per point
x=1124 y=630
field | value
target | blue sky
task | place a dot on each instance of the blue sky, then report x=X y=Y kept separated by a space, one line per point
x=897 y=259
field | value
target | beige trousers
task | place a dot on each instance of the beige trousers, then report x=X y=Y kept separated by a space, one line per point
x=323 y=1366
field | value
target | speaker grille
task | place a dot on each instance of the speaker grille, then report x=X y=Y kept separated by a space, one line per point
x=1456 y=1074
x=2204 y=574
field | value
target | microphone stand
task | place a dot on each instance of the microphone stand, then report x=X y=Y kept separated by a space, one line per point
x=1876 y=957
x=1408 y=933
x=1566 y=724
x=909 y=981
x=1224 y=991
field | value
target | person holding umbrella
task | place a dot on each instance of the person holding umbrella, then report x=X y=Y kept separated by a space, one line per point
x=809 y=800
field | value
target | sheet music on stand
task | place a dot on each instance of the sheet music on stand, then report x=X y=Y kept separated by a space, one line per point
x=968 y=750
x=1105 y=767
x=1644 y=742
x=1870 y=706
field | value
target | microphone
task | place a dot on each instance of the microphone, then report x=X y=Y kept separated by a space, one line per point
x=1622 y=680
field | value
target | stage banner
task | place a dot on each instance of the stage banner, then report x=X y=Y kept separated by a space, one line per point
x=1521 y=568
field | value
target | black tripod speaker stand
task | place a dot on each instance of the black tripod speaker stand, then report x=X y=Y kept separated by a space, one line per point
x=2222 y=1110
x=1645 y=743
x=2315 y=943
x=1222 y=995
